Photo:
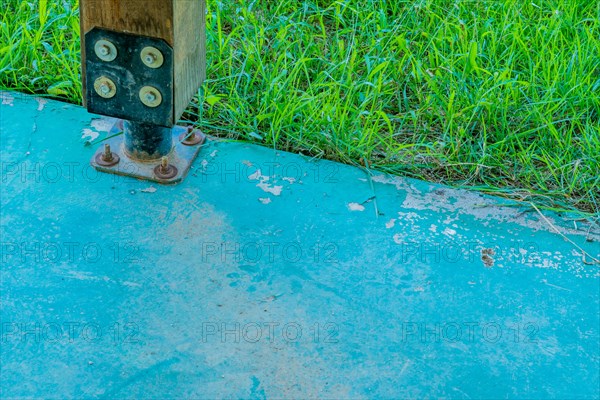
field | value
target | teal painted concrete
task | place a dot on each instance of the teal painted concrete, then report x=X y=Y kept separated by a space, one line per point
x=267 y=275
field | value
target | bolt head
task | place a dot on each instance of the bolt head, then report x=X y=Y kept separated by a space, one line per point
x=150 y=96
x=105 y=87
x=105 y=50
x=152 y=57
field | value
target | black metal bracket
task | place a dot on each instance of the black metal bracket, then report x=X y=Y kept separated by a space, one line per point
x=121 y=73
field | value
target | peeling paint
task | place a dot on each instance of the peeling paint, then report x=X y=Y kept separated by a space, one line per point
x=273 y=189
x=41 y=103
x=103 y=124
x=463 y=202
x=356 y=207
x=255 y=176
x=449 y=232
x=265 y=200
x=98 y=125
x=390 y=224
x=398 y=238
x=88 y=133
x=266 y=187
x=7 y=99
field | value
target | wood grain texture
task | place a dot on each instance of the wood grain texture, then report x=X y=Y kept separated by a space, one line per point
x=181 y=23
x=139 y=17
x=190 y=51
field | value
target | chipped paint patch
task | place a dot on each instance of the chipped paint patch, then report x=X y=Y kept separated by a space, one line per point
x=265 y=200
x=433 y=228
x=390 y=224
x=88 y=133
x=266 y=187
x=41 y=103
x=289 y=179
x=256 y=176
x=273 y=189
x=214 y=153
x=457 y=202
x=7 y=99
x=150 y=189
x=409 y=216
x=98 y=125
x=449 y=232
x=356 y=207
x=398 y=238
x=103 y=124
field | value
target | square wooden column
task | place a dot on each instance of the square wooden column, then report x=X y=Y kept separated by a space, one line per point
x=117 y=65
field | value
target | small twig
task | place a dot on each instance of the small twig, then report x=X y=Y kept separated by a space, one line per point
x=370 y=199
x=585 y=254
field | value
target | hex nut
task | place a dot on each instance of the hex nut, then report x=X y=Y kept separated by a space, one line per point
x=150 y=96
x=152 y=57
x=105 y=50
x=105 y=87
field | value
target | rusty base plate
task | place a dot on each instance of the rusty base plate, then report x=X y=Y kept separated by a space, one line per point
x=181 y=157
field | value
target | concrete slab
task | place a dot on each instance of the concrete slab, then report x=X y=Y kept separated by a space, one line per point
x=268 y=275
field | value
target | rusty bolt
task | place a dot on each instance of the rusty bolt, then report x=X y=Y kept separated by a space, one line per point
x=165 y=170
x=107 y=158
x=191 y=137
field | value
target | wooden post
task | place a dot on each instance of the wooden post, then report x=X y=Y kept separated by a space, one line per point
x=142 y=60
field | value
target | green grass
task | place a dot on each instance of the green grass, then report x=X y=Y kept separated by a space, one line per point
x=502 y=96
